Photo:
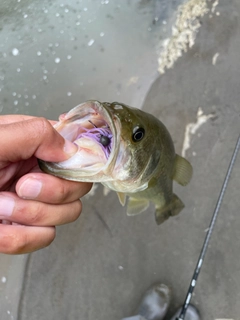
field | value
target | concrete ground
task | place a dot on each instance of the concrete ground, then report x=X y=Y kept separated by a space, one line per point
x=99 y=266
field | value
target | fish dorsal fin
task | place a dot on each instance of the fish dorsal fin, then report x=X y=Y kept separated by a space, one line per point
x=122 y=198
x=136 y=206
x=182 y=172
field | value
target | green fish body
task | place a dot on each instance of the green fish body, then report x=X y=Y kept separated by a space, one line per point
x=127 y=150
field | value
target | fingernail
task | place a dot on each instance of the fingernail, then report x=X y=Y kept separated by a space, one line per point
x=30 y=188
x=70 y=148
x=6 y=206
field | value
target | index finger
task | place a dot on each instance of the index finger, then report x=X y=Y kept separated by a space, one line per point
x=11 y=118
x=6 y=119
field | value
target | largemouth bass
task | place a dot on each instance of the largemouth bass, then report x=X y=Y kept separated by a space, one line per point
x=128 y=151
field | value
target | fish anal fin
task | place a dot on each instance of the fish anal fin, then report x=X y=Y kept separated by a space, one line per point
x=171 y=209
x=136 y=206
x=183 y=170
x=122 y=198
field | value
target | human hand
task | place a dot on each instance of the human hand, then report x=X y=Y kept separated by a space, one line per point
x=32 y=203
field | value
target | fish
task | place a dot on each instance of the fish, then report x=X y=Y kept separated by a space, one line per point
x=127 y=150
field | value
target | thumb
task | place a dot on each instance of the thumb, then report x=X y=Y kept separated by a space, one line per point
x=35 y=136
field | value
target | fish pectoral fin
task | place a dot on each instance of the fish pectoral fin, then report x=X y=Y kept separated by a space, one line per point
x=182 y=171
x=171 y=209
x=136 y=206
x=122 y=198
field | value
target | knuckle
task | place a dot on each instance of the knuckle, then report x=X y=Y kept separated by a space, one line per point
x=63 y=191
x=40 y=128
x=36 y=214
x=33 y=214
x=67 y=191
x=43 y=126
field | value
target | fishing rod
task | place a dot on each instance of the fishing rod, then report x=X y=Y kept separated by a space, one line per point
x=208 y=235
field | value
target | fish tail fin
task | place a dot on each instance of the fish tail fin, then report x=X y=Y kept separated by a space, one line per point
x=182 y=172
x=171 y=209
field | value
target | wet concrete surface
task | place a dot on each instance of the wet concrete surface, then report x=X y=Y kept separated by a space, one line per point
x=99 y=266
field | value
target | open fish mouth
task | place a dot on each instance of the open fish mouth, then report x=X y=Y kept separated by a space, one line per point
x=93 y=129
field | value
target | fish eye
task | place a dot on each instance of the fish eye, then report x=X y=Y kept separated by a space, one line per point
x=138 y=134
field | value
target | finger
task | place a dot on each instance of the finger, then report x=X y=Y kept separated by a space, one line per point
x=35 y=213
x=49 y=189
x=10 y=175
x=17 y=239
x=11 y=118
x=35 y=136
